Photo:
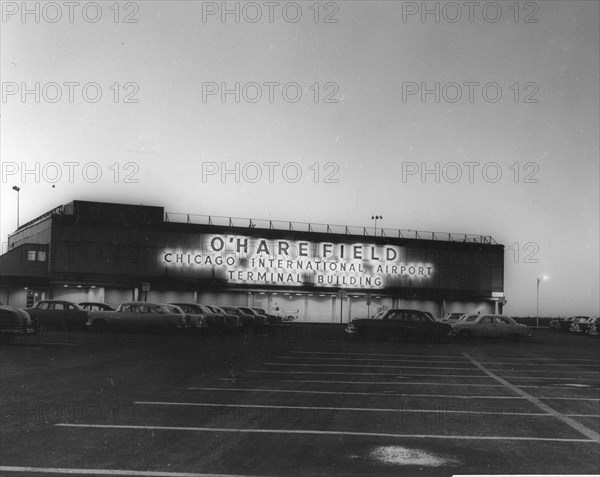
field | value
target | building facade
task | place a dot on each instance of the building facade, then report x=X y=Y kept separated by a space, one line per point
x=93 y=251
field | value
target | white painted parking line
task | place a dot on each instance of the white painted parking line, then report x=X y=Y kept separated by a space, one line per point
x=335 y=365
x=345 y=373
x=414 y=375
x=536 y=401
x=528 y=359
x=436 y=361
x=358 y=393
x=338 y=373
x=145 y=473
x=341 y=354
x=366 y=366
x=353 y=409
x=315 y=432
x=457 y=396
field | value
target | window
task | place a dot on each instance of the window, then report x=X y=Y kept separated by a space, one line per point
x=41 y=256
x=42 y=305
x=58 y=306
x=486 y=320
x=31 y=255
x=502 y=321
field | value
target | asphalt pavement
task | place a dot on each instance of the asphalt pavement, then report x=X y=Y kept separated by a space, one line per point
x=297 y=400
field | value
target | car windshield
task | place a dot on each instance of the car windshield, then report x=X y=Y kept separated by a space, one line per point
x=471 y=318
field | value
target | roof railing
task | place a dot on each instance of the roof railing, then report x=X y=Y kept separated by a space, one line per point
x=270 y=224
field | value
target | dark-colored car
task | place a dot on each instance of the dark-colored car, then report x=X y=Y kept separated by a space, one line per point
x=245 y=318
x=231 y=322
x=14 y=322
x=96 y=306
x=138 y=317
x=214 y=320
x=491 y=326
x=259 y=318
x=273 y=319
x=400 y=324
x=59 y=314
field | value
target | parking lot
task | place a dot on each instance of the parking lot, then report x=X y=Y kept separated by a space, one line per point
x=298 y=400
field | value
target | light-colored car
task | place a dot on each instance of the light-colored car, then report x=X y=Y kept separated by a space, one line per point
x=489 y=326
x=580 y=325
x=452 y=317
x=595 y=327
x=583 y=327
x=138 y=316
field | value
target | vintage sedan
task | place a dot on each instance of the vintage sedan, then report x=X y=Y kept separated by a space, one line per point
x=58 y=314
x=245 y=318
x=273 y=319
x=231 y=321
x=205 y=318
x=400 y=324
x=595 y=328
x=259 y=318
x=583 y=327
x=14 y=322
x=452 y=317
x=579 y=325
x=96 y=306
x=136 y=317
x=564 y=324
x=491 y=327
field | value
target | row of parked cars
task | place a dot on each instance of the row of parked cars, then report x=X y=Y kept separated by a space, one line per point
x=579 y=325
x=134 y=315
x=417 y=325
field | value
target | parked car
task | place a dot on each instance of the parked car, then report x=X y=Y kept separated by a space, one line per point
x=213 y=320
x=563 y=324
x=59 y=314
x=402 y=324
x=491 y=327
x=430 y=315
x=96 y=306
x=583 y=326
x=273 y=319
x=231 y=320
x=245 y=318
x=452 y=317
x=14 y=322
x=595 y=328
x=579 y=325
x=138 y=317
x=259 y=319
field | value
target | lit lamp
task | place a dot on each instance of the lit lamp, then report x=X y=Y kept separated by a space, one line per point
x=375 y=218
x=15 y=188
x=537 y=300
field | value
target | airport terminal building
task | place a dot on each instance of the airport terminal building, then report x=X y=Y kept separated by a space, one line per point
x=94 y=251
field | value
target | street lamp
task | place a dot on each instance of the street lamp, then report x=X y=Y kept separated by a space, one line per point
x=537 y=301
x=375 y=218
x=17 y=189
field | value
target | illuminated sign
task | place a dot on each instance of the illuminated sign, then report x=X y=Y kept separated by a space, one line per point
x=248 y=260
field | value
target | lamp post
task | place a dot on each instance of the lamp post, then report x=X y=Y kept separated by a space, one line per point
x=375 y=218
x=17 y=189
x=537 y=301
